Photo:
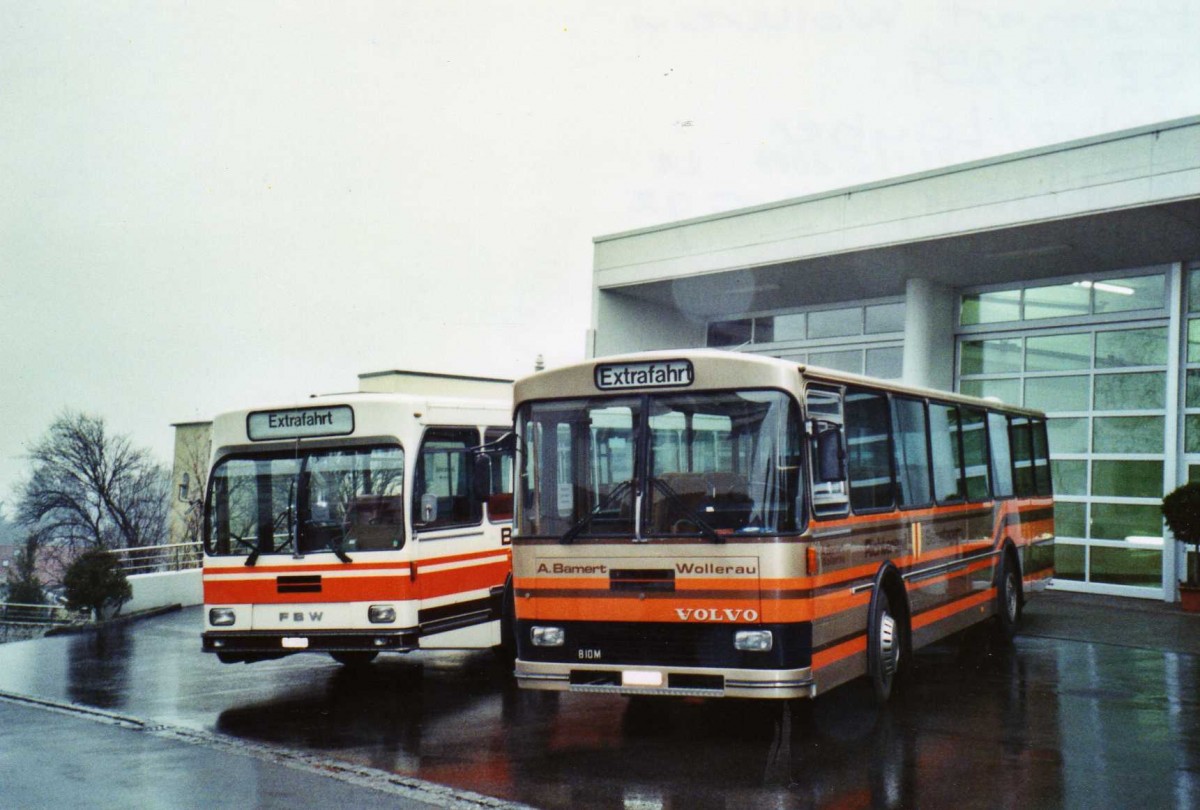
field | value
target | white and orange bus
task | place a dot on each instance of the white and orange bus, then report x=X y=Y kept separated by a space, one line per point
x=715 y=524
x=356 y=525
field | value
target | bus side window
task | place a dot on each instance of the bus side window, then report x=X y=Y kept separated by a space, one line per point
x=975 y=454
x=825 y=419
x=1041 y=458
x=443 y=494
x=868 y=447
x=910 y=427
x=500 y=489
x=1022 y=456
x=947 y=453
x=1002 y=472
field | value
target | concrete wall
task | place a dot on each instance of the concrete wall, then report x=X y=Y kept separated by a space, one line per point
x=163 y=589
x=629 y=325
x=929 y=310
x=441 y=385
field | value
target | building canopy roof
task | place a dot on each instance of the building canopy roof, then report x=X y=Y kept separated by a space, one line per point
x=1123 y=200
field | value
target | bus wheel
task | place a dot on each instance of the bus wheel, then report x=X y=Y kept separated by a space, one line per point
x=883 y=647
x=354 y=658
x=1008 y=599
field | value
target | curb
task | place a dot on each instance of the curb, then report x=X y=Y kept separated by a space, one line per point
x=115 y=621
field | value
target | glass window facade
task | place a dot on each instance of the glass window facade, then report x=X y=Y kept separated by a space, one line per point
x=1099 y=354
x=1077 y=298
x=865 y=338
x=1095 y=355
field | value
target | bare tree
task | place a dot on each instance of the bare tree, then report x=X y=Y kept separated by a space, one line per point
x=90 y=488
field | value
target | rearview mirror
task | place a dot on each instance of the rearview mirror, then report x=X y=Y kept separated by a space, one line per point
x=831 y=453
x=482 y=476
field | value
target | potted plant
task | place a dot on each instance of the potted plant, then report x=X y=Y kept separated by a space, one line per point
x=1181 y=510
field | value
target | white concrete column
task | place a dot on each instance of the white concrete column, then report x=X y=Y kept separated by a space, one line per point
x=929 y=334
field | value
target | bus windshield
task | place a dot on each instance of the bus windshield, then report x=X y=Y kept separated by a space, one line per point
x=340 y=500
x=707 y=464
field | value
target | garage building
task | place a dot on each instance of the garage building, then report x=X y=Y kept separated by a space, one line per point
x=1065 y=278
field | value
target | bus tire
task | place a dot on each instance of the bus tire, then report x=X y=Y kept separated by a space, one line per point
x=1008 y=597
x=354 y=658
x=885 y=640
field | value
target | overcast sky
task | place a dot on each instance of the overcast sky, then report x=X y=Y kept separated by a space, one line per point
x=212 y=205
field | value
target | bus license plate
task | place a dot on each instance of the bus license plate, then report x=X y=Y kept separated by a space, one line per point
x=641 y=678
x=295 y=643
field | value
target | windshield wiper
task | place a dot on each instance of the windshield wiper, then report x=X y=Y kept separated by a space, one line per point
x=284 y=516
x=617 y=491
x=673 y=496
x=252 y=557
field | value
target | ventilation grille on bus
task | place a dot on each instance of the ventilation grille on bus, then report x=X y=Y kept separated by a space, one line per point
x=308 y=583
x=642 y=579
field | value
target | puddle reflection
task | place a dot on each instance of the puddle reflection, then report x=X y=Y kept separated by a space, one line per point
x=1045 y=724
x=98 y=667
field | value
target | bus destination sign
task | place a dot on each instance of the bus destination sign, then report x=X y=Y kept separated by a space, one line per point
x=657 y=374
x=300 y=423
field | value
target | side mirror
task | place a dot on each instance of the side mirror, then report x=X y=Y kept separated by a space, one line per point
x=831 y=453
x=482 y=480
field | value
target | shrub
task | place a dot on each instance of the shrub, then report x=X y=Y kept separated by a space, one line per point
x=95 y=581
x=1181 y=510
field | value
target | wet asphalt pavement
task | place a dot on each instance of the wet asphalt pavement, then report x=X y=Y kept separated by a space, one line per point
x=1095 y=705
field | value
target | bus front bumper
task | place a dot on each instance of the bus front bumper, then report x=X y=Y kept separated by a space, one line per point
x=253 y=645
x=668 y=681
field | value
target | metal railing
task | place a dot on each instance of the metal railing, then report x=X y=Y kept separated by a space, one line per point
x=153 y=559
x=20 y=612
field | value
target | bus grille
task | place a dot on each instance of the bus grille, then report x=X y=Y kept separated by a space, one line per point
x=668 y=644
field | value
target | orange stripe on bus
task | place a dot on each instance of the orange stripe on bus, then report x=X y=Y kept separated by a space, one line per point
x=855 y=646
x=957 y=606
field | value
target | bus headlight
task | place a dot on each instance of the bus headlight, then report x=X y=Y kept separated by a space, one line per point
x=221 y=617
x=753 y=640
x=547 y=636
x=381 y=614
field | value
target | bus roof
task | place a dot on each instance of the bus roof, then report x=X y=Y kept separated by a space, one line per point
x=357 y=414
x=709 y=369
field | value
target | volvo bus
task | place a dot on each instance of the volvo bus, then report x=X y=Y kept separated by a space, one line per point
x=707 y=523
x=357 y=525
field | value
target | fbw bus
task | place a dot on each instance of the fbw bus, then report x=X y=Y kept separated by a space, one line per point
x=357 y=525
x=718 y=524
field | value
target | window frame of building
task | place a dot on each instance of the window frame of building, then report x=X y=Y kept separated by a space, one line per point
x=860 y=351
